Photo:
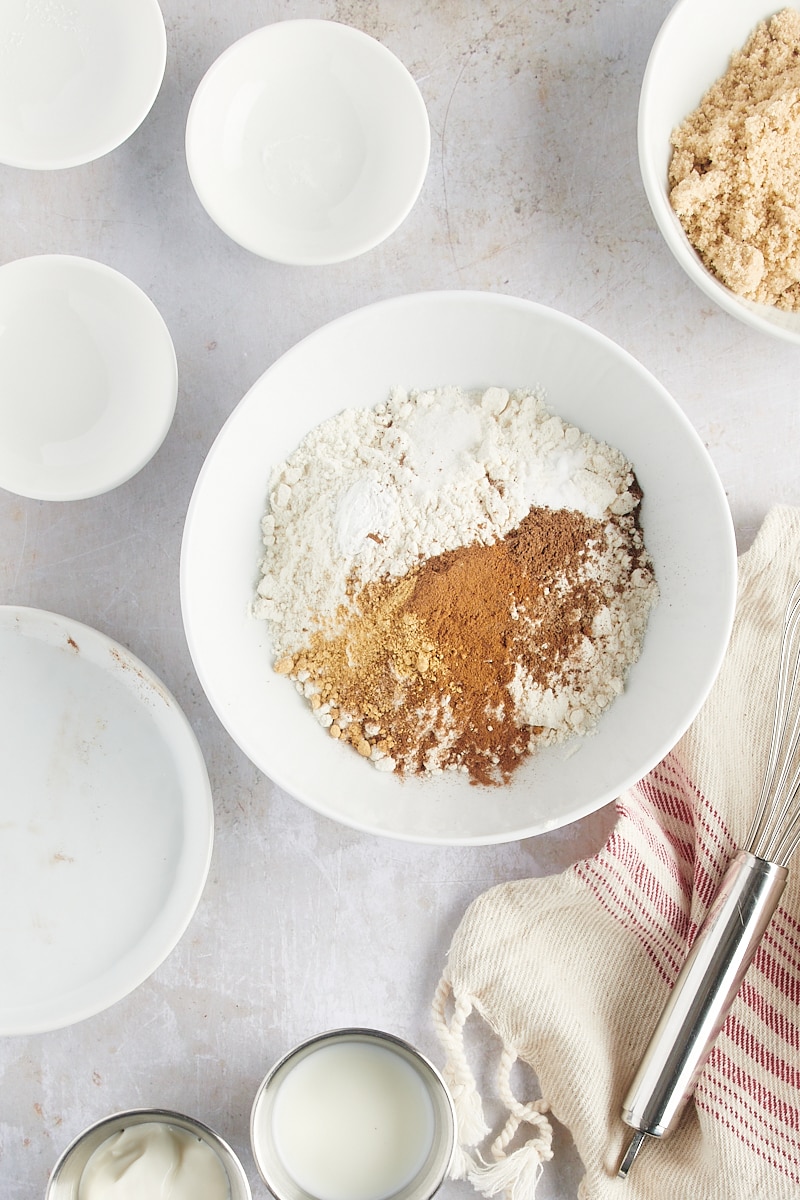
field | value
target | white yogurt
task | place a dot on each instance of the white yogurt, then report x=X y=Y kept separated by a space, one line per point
x=351 y=1121
x=154 y=1161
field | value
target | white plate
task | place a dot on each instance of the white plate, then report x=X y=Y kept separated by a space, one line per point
x=307 y=142
x=692 y=51
x=471 y=339
x=76 y=78
x=88 y=377
x=106 y=819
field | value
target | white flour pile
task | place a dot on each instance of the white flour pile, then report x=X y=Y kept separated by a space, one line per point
x=371 y=497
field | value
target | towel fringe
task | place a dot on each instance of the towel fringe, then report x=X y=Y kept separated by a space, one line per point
x=472 y=1127
x=463 y=1164
x=515 y=1176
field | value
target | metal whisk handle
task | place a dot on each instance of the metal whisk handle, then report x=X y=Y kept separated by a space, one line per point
x=701 y=998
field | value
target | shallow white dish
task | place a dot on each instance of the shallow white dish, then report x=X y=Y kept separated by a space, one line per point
x=692 y=50
x=88 y=377
x=77 y=78
x=307 y=142
x=472 y=339
x=106 y=816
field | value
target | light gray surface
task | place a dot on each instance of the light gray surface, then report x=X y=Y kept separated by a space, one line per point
x=533 y=190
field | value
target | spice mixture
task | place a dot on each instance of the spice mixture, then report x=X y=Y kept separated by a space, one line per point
x=451 y=580
x=735 y=171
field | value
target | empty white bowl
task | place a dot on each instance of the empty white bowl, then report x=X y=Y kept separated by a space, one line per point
x=77 y=78
x=307 y=142
x=88 y=378
x=693 y=50
x=107 y=820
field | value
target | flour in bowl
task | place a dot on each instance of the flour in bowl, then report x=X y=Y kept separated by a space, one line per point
x=453 y=578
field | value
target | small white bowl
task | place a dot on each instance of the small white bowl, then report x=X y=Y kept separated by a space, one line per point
x=77 y=79
x=66 y=1174
x=307 y=142
x=693 y=50
x=88 y=378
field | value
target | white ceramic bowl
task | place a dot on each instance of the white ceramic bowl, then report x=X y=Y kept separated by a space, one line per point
x=693 y=50
x=472 y=339
x=88 y=378
x=66 y=1174
x=107 y=821
x=307 y=142
x=77 y=78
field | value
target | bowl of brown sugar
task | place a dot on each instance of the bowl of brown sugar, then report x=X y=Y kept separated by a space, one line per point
x=457 y=569
x=719 y=154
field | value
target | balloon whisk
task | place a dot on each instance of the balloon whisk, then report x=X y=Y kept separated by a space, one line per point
x=726 y=943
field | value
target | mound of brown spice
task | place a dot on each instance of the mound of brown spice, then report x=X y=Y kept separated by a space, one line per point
x=449 y=665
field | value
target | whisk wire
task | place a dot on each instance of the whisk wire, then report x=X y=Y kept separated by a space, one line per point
x=775 y=832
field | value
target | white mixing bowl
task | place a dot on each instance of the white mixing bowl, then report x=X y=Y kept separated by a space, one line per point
x=472 y=339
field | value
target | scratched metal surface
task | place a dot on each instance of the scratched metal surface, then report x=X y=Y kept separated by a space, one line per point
x=533 y=190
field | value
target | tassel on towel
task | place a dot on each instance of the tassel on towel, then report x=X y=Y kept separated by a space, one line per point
x=513 y=1175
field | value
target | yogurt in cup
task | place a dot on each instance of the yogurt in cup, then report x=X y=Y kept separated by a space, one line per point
x=127 y=1155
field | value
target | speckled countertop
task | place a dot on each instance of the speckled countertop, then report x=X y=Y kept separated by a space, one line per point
x=533 y=190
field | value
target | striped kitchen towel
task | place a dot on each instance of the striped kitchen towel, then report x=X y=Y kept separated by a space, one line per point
x=571 y=972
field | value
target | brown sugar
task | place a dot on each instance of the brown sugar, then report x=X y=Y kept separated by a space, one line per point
x=735 y=171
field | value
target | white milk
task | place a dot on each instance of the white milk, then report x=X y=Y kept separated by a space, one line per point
x=153 y=1161
x=352 y=1121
